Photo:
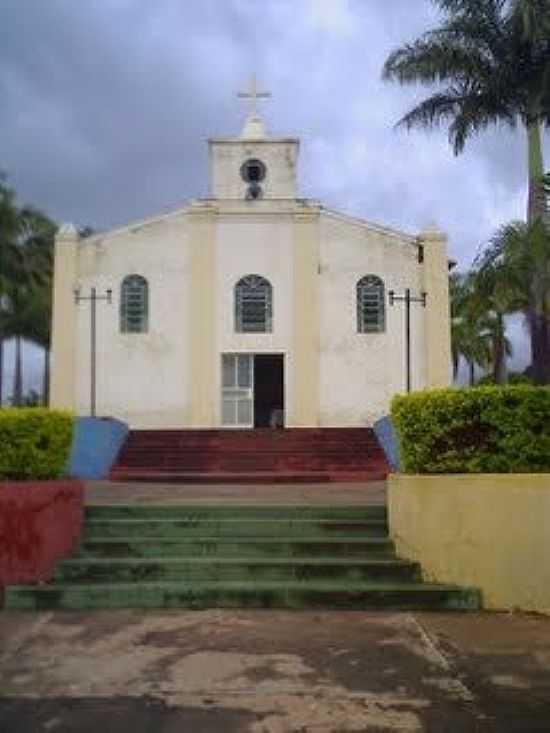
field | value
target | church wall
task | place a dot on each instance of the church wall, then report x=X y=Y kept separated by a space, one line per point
x=360 y=373
x=227 y=157
x=63 y=362
x=142 y=378
x=259 y=244
x=147 y=379
x=192 y=260
x=306 y=320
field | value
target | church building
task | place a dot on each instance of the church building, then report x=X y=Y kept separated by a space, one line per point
x=253 y=307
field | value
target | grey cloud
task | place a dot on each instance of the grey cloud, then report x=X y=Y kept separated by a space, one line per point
x=106 y=105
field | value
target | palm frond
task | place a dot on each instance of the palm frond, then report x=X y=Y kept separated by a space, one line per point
x=484 y=68
x=434 y=58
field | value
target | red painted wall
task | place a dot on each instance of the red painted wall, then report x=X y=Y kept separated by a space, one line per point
x=40 y=523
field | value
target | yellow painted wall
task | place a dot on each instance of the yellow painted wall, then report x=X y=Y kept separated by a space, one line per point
x=438 y=324
x=488 y=531
x=202 y=349
x=304 y=412
x=63 y=352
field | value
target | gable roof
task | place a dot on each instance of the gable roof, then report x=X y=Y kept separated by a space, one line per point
x=371 y=226
x=139 y=224
x=365 y=224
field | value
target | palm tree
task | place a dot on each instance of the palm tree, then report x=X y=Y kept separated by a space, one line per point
x=37 y=327
x=472 y=339
x=9 y=258
x=478 y=328
x=40 y=243
x=14 y=327
x=26 y=254
x=471 y=327
x=494 y=294
x=534 y=16
x=491 y=65
x=27 y=317
x=458 y=296
x=491 y=62
x=520 y=254
x=33 y=301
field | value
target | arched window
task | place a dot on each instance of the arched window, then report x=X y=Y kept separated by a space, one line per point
x=371 y=305
x=134 y=304
x=253 y=305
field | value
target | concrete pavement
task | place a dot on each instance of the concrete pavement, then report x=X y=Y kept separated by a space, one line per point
x=273 y=671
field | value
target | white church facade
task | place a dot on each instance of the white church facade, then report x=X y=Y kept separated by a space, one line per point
x=251 y=308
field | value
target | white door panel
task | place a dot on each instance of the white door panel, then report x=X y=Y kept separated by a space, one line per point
x=238 y=390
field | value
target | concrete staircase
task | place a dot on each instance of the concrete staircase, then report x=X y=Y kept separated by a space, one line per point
x=300 y=455
x=247 y=556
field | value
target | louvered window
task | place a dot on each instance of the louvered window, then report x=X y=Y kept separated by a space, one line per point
x=371 y=308
x=134 y=305
x=253 y=305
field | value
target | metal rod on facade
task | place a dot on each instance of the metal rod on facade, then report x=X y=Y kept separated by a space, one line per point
x=407 y=299
x=408 y=336
x=93 y=352
x=93 y=298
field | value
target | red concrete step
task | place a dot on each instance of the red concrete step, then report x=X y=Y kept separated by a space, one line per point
x=220 y=467
x=347 y=449
x=243 y=459
x=251 y=432
x=251 y=459
x=293 y=455
x=263 y=446
x=260 y=477
x=252 y=438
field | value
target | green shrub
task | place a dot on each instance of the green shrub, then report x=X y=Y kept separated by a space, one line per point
x=480 y=430
x=34 y=443
x=514 y=378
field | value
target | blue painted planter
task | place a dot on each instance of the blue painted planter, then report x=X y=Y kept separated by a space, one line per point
x=96 y=444
x=388 y=439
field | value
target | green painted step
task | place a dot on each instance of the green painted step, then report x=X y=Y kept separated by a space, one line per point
x=197 y=595
x=134 y=547
x=108 y=570
x=232 y=511
x=234 y=527
x=238 y=556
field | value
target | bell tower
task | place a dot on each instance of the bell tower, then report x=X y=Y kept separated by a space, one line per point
x=253 y=166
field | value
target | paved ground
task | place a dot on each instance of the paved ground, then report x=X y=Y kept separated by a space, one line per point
x=273 y=672
x=110 y=492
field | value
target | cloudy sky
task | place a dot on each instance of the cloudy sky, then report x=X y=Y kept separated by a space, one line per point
x=106 y=105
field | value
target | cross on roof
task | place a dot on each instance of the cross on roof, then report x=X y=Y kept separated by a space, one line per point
x=253 y=95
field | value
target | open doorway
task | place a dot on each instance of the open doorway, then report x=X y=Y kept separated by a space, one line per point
x=253 y=390
x=269 y=390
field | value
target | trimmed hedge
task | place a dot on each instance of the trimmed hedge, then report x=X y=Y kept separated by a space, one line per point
x=34 y=443
x=481 y=430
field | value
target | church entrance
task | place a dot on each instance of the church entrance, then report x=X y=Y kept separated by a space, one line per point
x=269 y=391
x=253 y=390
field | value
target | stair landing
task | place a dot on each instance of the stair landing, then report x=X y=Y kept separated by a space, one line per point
x=333 y=494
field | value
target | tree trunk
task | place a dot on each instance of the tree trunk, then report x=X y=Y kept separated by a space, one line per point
x=537 y=211
x=46 y=378
x=18 y=374
x=472 y=374
x=540 y=348
x=456 y=363
x=1 y=372
x=536 y=205
x=499 y=353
